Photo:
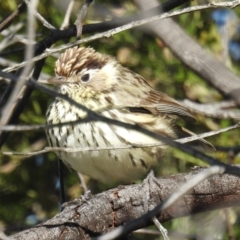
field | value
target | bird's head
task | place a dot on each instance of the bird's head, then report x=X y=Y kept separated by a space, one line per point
x=83 y=73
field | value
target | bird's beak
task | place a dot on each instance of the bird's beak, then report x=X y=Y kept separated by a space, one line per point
x=56 y=81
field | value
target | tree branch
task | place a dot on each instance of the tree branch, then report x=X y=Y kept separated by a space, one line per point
x=7 y=21
x=92 y=216
x=193 y=55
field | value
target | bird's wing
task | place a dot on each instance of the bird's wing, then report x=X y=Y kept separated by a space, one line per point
x=135 y=92
x=160 y=103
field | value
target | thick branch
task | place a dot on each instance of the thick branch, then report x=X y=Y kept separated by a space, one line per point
x=193 y=55
x=98 y=214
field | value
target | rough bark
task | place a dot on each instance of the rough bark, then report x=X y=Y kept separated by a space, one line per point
x=91 y=216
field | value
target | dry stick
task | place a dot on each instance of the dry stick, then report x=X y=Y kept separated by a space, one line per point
x=133 y=225
x=67 y=16
x=233 y=4
x=24 y=99
x=96 y=117
x=81 y=16
x=217 y=105
x=9 y=107
x=160 y=227
x=148 y=231
x=20 y=128
x=6 y=22
x=8 y=38
x=118 y=30
x=39 y=16
x=85 y=149
x=212 y=110
x=82 y=182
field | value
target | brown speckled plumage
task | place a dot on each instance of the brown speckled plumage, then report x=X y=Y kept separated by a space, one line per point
x=75 y=59
x=100 y=83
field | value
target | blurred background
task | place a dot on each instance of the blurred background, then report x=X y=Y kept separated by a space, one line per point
x=29 y=187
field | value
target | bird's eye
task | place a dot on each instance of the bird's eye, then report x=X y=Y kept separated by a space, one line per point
x=85 y=77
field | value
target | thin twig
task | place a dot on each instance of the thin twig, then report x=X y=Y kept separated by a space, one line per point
x=214 y=105
x=81 y=15
x=16 y=93
x=148 y=231
x=21 y=128
x=114 y=31
x=39 y=16
x=86 y=149
x=233 y=4
x=7 y=21
x=213 y=110
x=160 y=227
x=67 y=16
x=10 y=36
x=82 y=182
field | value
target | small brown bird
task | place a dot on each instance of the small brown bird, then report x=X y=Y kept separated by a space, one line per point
x=100 y=83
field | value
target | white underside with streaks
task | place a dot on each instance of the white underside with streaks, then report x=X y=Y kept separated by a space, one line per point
x=108 y=166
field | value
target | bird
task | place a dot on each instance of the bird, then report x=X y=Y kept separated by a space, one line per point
x=100 y=83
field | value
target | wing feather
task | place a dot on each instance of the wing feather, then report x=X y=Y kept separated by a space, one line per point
x=139 y=94
x=161 y=103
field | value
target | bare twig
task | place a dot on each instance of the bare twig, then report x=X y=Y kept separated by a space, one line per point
x=39 y=16
x=213 y=110
x=214 y=105
x=7 y=110
x=81 y=15
x=148 y=231
x=160 y=227
x=115 y=31
x=233 y=4
x=6 y=22
x=82 y=182
x=8 y=36
x=20 y=128
x=66 y=19
x=85 y=149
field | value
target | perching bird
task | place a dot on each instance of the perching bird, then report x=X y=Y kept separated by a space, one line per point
x=102 y=84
